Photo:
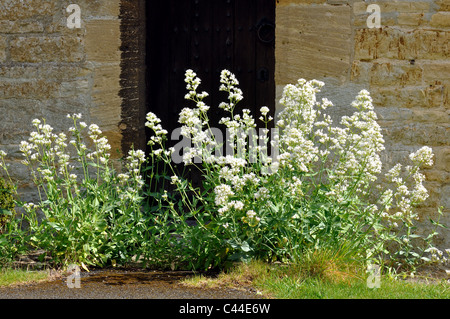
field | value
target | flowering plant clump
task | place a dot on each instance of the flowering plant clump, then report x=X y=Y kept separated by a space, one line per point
x=275 y=191
x=319 y=188
x=86 y=213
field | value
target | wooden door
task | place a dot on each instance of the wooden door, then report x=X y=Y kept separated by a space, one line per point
x=208 y=36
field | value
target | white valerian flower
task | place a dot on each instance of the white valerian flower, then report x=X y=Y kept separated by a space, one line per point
x=238 y=205
x=192 y=81
x=190 y=117
x=74 y=116
x=251 y=218
x=262 y=193
x=402 y=190
x=202 y=106
x=423 y=156
x=393 y=174
x=152 y=120
x=2 y=153
x=30 y=206
x=251 y=214
x=264 y=110
x=94 y=131
x=223 y=192
x=136 y=156
x=419 y=194
x=26 y=148
x=226 y=106
x=123 y=177
x=175 y=179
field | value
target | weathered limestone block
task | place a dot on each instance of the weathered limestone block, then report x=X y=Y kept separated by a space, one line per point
x=360 y=7
x=433 y=95
x=447 y=96
x=3 y=47
x=57 y=72
x=430 y=116
x=47 y=49
x=409 y=96
x=394 y=114
x=395 y=73
x=411 y=19
x=89 y=9
x=33 y=89
x=106 y=87
x=419 y=134
x=106 y=110
x=437 y=176
x=306 y=48
x=442 y=159
x=103 y=40
x=17 y=10
x=444 y=5
x=436 y=72
x=74 y=88
x=20 y=26
x=97 y=8
x=433 y=44
x=440 y=19
x=54 y=111
x=379 y=43
x=393 y=13
x=393 y=43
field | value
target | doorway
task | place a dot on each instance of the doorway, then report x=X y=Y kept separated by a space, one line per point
x=208 y=36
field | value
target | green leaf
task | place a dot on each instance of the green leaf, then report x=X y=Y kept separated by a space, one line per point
x=437 y=223
x=84 y=267
x=245 y=247
x=5 y=212
x=55 y=226
x=415 y=254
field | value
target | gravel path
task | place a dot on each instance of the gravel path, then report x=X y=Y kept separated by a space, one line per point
x=122 y=284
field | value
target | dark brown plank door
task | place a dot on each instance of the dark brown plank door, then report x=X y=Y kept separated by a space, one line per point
x=208 y=36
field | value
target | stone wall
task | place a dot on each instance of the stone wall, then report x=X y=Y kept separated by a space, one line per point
x=404 y=64
x=48 y=70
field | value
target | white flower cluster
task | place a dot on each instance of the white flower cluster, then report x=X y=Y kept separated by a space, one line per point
x=101 y=144
x=131 y=181
x=423 y=156
x=251 y=218
x=49 y=158
x=308 y=141
x=43 y=143
x=154 y=123
x=229 y=84
x=309 y=152
x=398 y=203
x=223 y=193
x=207 y=146
x=437 y=255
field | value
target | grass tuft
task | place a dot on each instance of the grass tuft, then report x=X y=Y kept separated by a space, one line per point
x=10 y=276
x=318 y=275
